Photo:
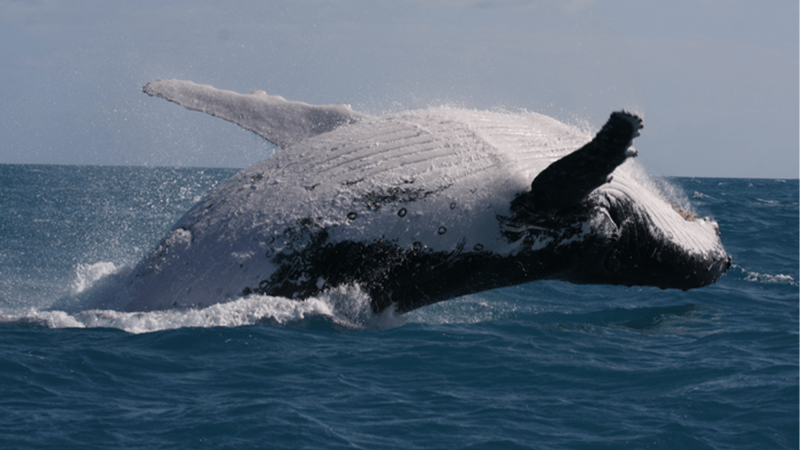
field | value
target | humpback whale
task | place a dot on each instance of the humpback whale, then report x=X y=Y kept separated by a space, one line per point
x=418 y=207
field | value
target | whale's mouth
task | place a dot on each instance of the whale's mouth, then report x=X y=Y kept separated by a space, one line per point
x=661 y=249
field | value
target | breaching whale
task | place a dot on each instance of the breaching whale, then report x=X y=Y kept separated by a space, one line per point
x=418 y=207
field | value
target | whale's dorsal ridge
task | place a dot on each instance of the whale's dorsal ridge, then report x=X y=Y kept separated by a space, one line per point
x=272 y=117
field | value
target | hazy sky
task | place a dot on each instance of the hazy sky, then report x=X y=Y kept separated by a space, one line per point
x=716 y=81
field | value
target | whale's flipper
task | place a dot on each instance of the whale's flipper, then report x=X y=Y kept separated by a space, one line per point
x=272 y=117
x=567 y=181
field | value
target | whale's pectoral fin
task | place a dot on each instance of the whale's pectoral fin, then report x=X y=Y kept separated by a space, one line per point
x=272 y=117
x=567 y=181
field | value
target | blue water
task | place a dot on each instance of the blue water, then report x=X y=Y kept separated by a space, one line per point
x=546 y=365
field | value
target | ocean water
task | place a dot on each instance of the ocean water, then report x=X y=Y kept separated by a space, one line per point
x=547 y=365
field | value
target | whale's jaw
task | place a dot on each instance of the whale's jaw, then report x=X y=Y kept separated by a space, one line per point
x=617 y=236
x=650 y=248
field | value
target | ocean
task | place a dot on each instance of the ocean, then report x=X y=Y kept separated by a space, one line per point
x=546 y=365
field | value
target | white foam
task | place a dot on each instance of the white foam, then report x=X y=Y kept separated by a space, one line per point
x=346 y=307
x=769 y=279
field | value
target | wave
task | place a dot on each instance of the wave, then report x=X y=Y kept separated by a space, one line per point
x=741 y=273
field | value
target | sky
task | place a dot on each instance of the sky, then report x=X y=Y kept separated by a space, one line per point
x=716 y=81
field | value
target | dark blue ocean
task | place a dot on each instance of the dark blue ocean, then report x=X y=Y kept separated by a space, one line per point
x=547 y=365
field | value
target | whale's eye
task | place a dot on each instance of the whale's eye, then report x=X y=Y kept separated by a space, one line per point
x=352 y=215
x=478 y=247
x=402 y=212
x=442 y=230
x=453 y=205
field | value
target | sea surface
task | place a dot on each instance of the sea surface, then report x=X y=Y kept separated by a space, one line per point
x=546 y=365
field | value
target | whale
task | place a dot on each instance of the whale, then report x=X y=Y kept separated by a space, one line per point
x=418 y=207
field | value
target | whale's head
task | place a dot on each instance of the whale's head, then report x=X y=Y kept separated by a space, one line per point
x=654 y=243
x=607 y=224
x=619 y=235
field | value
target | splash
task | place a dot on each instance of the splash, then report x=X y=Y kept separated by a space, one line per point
x=86 y=275
x=345 y=308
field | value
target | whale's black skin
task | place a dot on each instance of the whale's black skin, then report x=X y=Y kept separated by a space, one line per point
x=411 y=278
x=417 y=208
